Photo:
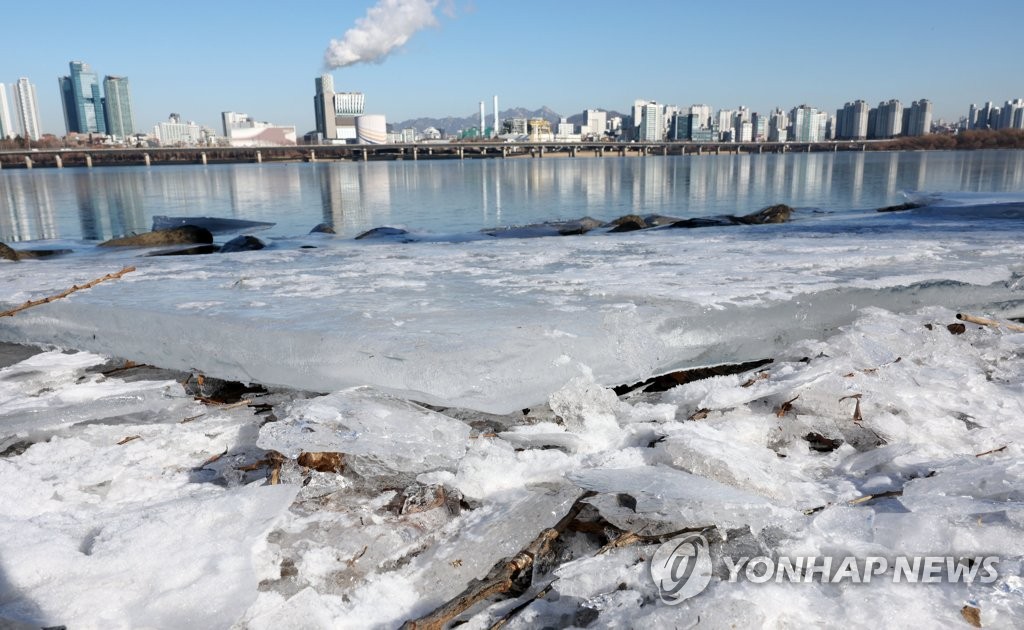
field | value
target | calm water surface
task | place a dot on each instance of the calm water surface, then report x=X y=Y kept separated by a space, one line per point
x=461 y=196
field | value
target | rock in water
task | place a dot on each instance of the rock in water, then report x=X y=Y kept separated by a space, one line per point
x=381 y=232
x=245 y=243
x=778 y=213
x=323 y=228
x=216 y=225
x=184 y=235
x=910 y=205
x=8 y=253
x=628 y=223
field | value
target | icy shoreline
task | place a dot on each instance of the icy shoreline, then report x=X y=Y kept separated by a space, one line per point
x=127 y=502
x=134 y=494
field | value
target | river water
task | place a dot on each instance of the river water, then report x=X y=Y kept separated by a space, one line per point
x=454 y=196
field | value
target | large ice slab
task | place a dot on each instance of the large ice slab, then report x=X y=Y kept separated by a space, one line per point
x=500 y=325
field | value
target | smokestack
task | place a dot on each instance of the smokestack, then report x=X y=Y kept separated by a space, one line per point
x=496 y=128
x=482 y=121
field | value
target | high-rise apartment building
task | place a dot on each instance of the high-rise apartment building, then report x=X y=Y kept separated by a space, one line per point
x=26 y=109
x=919 y=120
x=652 y=122
x=83 y=104
x=808 y=124
x=852 y=121
x=6 y=130
x=886 y=120
x=118 y=107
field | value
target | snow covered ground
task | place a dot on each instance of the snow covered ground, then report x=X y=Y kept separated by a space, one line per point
x=129 y=503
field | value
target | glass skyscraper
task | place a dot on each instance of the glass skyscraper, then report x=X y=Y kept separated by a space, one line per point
x=118 y=107
x=83 y=104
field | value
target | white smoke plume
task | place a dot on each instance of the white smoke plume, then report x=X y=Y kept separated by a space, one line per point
x=388 y=25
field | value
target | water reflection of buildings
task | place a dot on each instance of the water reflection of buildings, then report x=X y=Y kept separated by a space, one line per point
x=110 y=204
x=355 y=197
x=28 y=210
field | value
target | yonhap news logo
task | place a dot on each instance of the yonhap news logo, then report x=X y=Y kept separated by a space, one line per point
x=682 y=568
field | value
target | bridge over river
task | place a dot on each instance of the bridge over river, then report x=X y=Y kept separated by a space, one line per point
x=95 y=156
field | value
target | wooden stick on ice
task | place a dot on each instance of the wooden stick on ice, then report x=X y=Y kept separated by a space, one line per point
x=64 y=294
x=983 y=321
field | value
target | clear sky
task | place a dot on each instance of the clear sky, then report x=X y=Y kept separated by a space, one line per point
x=259 y=57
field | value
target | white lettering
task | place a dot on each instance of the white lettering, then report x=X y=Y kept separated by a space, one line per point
x=963 y=569
x=823 y=571
x=769 y=570
x=932 y=569
x=988 y=566
x=847 y=570
x=910 y=574
x=734 y=567
x=881 y=565
x=791 y=570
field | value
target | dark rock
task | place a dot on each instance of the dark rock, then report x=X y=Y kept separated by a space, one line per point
x=323 y=228
x=8 y=253
x=575 y=228
x=822 y=444
x=656 y=220
x=188 y=251
x=628 y=223
x=216 y=225
x=245 y=243
x=956 y=329
x=308 y=247
x=910 y=205
x=701 y=222
x=381 y=232
x=184 y=235
x=27 y=254
x=778 y=213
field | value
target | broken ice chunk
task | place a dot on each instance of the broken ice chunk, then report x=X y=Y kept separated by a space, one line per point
x=379 y=433
x=669 y=496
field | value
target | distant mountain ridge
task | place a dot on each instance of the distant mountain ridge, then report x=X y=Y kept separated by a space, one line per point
x=452 y=124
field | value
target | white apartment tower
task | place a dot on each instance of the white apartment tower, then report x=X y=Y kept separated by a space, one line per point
x=25 y=109
x=6 y=131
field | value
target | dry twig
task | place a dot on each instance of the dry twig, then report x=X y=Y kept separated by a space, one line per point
x=64 y=294
x=984 y=321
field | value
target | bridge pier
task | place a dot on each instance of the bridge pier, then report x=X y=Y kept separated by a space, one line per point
x=145 y=158
x=415 y=154
x=783 y=149
x=600 y=152
x=718 y=150
x=572 y=152
x=88 y=161
x=462 y=153
x=366 y=155
x=259 y=157
x=312 y=156
x=664 y=150
x=835 y=148
x=28 y=162
x=202 y=158
x=541 y=152
x=504 y=152
x=760 y=149
x=59 y=162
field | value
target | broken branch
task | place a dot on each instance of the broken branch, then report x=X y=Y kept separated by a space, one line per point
x=984 y=321
x=501 y=578
x=67 y=292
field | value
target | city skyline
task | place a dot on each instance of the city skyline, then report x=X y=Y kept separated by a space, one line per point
x=241 y=58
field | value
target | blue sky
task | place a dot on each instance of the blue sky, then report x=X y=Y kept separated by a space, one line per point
x=201 y=58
